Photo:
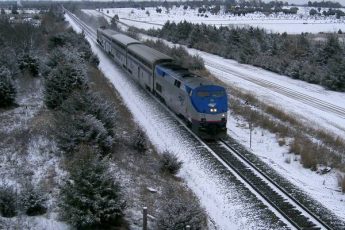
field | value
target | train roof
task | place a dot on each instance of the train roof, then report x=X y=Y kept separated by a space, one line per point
x=124 y=39
x=184 y=75
x=108 y=32
x=148 y=55
x=197 y=81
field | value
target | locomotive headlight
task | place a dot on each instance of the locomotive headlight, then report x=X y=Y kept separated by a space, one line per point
x=213 y=110
x=223 y=115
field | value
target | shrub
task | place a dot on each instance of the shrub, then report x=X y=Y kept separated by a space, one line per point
x=32 y=201
x=139 y=141
x=94 y=60
x=295 y=147
x=281 y=142
x=90 y=197
x=170 y=163
x=7 y=202
x=7 y=89
x=180 y=211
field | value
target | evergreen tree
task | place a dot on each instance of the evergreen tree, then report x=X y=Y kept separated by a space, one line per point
x=90 y=197
x=61 y=82
x=33 y=201
x=332 y=50
x=94 y=104
x=7 y=88
x=7 y=201
x=30 y=64
x=81 y=128
x=312 y=12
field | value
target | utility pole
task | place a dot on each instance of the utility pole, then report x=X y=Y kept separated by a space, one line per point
x=145 y=218
x=250 y=134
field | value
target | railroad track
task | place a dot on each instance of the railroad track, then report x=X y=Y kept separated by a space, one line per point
x=304 y=98
x=290 y=209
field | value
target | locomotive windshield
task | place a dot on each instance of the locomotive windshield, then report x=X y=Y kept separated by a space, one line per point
x=220 y=93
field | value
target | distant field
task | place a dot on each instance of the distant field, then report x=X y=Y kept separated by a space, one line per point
x=292 y=24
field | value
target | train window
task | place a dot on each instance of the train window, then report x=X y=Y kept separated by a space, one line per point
x=203 y=94
x=158 y=87
x=177 y=83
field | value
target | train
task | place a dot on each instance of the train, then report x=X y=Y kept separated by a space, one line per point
x=200 y=103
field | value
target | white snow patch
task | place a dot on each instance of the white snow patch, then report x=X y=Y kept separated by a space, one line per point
x=292 y=24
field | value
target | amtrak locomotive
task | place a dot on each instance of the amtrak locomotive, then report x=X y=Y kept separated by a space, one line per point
x=200 y=103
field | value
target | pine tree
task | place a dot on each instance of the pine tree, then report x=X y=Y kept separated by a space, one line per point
x=7 y=88
x=91 y=198
x=83 y=128
x=32 y=201
x=61 y=82
x=85 y=118
x=7 y=201
x=94 y=104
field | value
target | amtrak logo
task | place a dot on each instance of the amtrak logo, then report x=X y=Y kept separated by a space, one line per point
x=211 y=105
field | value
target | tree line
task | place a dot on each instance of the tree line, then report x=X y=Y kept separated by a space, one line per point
x=297 y=56
x=325 y=4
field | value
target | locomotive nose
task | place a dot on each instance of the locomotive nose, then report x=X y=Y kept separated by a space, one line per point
x=213 y=108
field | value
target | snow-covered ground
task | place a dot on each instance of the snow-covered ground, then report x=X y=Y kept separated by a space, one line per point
x=322 y=187
x=222 y=202
x=310 y=114
x=293 y=24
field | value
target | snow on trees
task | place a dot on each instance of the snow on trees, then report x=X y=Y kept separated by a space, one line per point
x=83 y=128
x=61 y=82
x=30 y=64
x=7 y=88
x=32 y=200
x=94 y=104
x=7 y=201
x=91 y=197
x=180 y=211
x=85 y=118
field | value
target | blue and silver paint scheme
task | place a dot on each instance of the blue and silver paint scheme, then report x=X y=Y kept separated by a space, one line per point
x=211 y=105
x=203 y=105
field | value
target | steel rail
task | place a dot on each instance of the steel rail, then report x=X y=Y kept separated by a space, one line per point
x=255 y=169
